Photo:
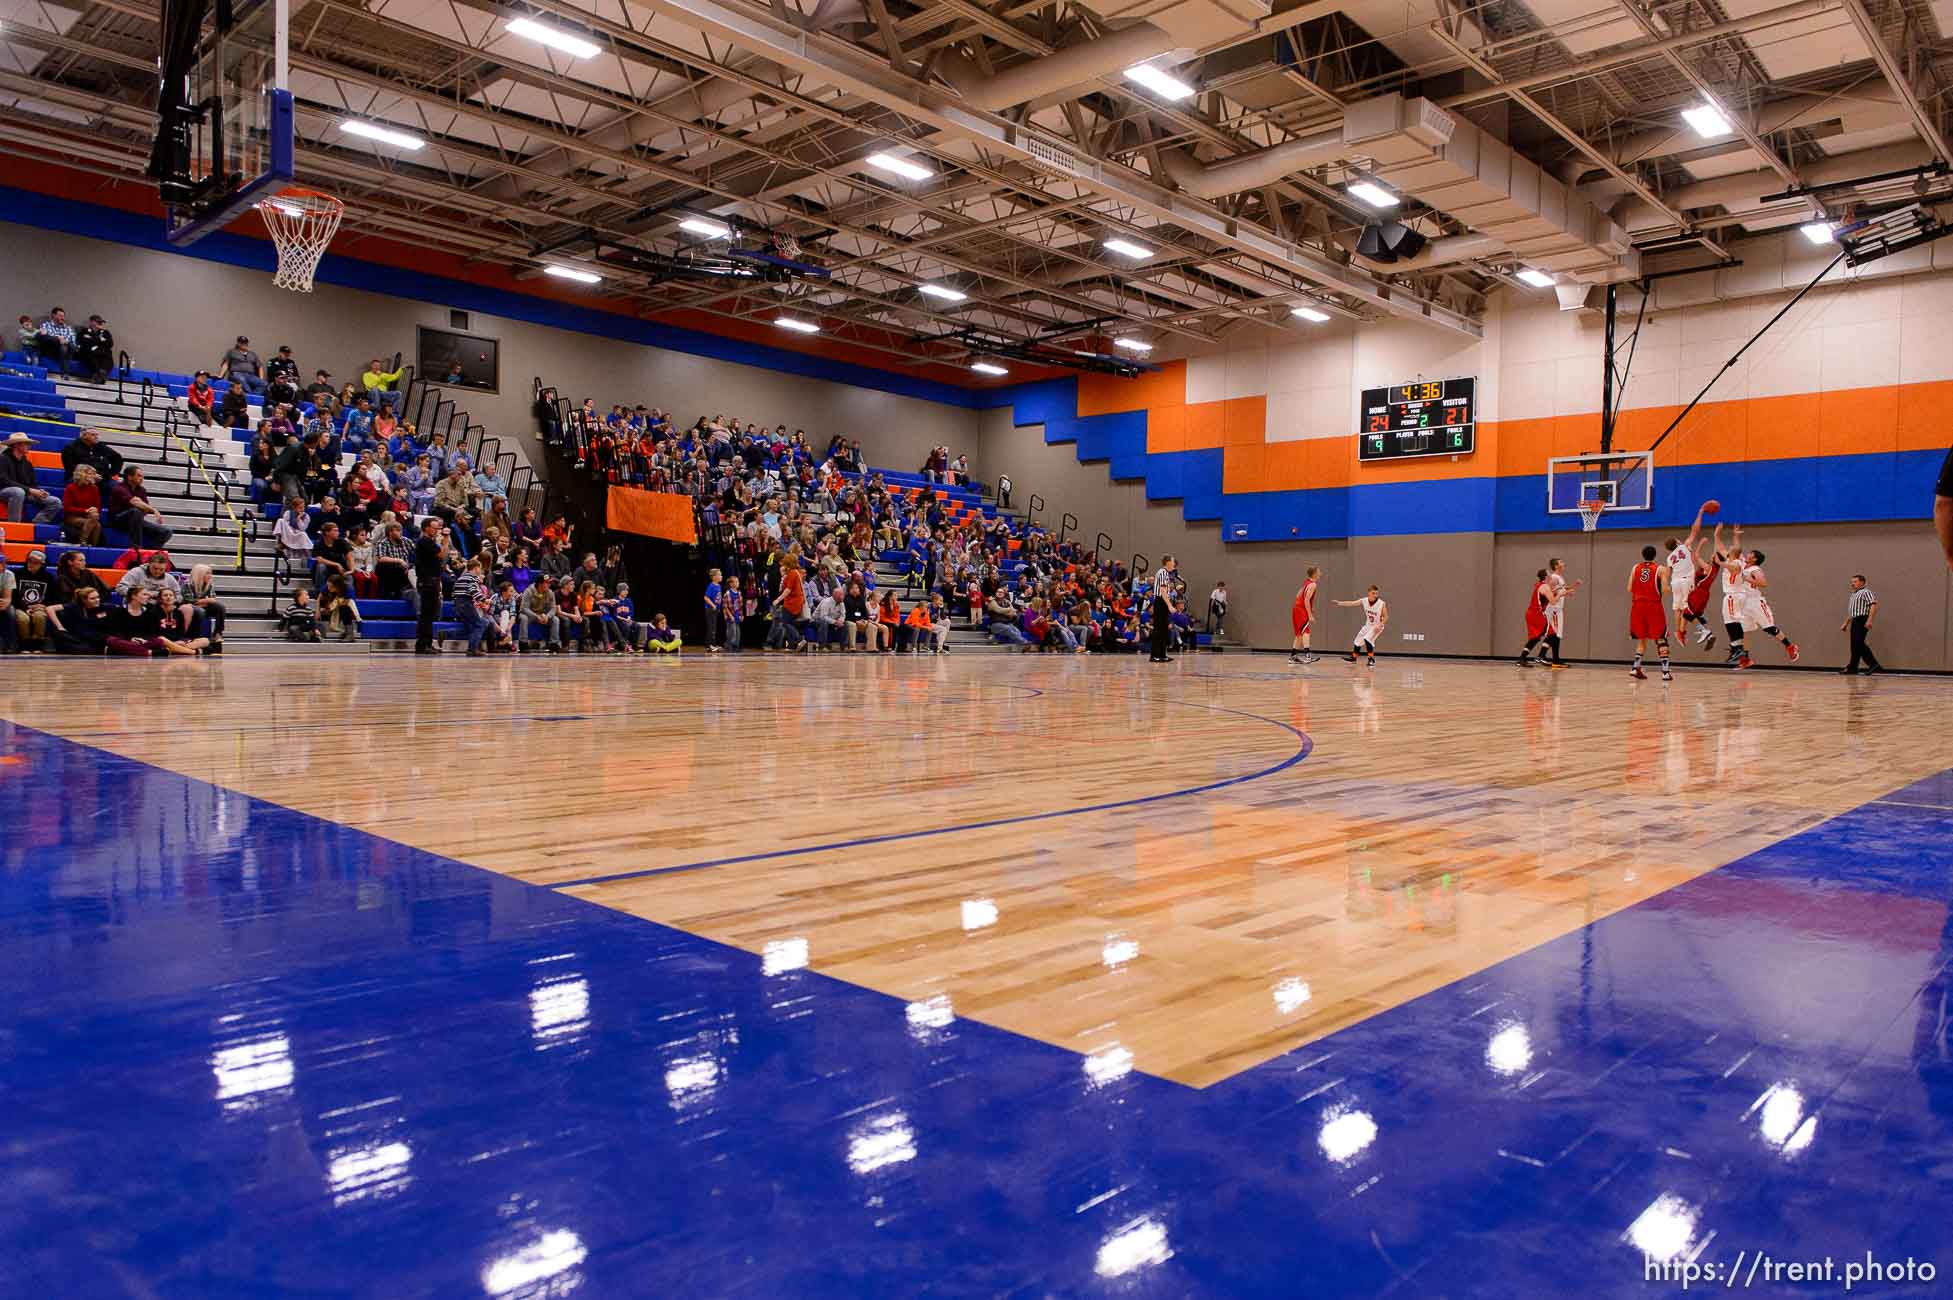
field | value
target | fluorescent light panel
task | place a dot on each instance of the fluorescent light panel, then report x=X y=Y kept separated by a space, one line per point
x=1708 y=121
x=944 y=292
x=1160 y=83
x=1371 y=194
x=385 y=135
x=572 y=273
x=1309 y=314
x=797 y=325
x=1537 y=279
x=987 y=368
x=1818 y=232
x=902 y=167
x=1133 y=345
x=555 y=38
x=701 y=226
x=1126 y=248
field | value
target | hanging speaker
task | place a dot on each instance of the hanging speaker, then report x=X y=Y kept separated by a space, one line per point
x=1389 y=241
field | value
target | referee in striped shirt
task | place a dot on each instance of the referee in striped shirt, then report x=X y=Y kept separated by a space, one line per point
x=1858 y=617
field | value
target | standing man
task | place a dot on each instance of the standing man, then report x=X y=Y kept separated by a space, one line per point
x=430 y=553
x=1647 y=583
x=1858 y=617
x=1302 y=617
x=1162 y=610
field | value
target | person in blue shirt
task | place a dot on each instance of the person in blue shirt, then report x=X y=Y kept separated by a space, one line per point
x=624 y=611
x=712 y=593
x=359 y=426
x=733 y=606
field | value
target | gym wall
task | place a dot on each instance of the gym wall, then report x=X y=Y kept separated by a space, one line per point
x=173 y=311
x=1823 y=440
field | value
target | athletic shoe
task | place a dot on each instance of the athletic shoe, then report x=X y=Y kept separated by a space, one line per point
x=1848 y=672
x=1295 y=659
x=1744 y=662
x=1351 y=656
x=1637 y=674
x=1791 y=650
x=1667 y=676
x=1525 y=661
x=1706 y=639
x=1310 y=657
x=1556 y=665
x=1373 y=661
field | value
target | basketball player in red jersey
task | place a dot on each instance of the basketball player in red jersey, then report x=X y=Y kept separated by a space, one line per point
x=1647 y=585
x=1537 y=601
x=1302 y=617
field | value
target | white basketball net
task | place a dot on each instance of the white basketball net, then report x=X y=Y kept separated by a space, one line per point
x=302 y=223
x=1590 y=514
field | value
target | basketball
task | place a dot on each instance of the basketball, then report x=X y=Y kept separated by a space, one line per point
x=1711 y=506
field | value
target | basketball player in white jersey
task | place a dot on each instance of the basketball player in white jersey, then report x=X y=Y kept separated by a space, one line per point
x=1376 y=616
x=1681 y=581
x=1558 y=589
x=1745 y=604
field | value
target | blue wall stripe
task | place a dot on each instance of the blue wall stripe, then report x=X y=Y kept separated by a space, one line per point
x=28 y=208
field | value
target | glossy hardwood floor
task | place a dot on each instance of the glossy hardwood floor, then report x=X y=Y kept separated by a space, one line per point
x=1185 y=870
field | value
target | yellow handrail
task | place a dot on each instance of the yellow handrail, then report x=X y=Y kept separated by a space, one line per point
x=188 y=450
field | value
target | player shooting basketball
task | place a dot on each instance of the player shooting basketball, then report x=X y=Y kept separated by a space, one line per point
x=1684 y=572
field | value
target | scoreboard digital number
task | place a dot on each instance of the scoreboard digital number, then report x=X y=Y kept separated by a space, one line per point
x=1432 y=417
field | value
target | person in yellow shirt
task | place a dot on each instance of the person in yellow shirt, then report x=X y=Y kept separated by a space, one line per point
x=379 y=386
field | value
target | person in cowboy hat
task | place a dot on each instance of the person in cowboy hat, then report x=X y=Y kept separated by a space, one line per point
x=20 y=487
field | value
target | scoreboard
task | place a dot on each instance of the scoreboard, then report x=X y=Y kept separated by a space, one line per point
x=1430 y=417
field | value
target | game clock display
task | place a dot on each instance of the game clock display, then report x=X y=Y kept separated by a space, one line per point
x=1429 y=417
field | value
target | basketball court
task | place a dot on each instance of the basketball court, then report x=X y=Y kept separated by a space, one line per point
x=998 y=974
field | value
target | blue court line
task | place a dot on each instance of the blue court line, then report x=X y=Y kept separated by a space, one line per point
x=1301 y=752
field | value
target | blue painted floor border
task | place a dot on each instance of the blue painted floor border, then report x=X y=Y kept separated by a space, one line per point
x=255 y=1053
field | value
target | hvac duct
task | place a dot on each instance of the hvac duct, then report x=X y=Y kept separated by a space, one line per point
x=1252 y=171
x=1448 y=251
x=1058 y=70
x=1741 y=196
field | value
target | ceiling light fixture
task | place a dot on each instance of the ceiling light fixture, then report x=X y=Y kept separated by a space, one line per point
x=1818 y=232
x=797 y=325
x=1537 y=279
x=1309 y=314
x=702 y=226
x=554 y=37
x=944 y=292
x=1160 y=83
x=1371 y=194
x=1708 y=121
x=1133 y=345
x=900 y=166
x=987 y=368
x=572 y=273
x=1126 y=248
x=385 y=135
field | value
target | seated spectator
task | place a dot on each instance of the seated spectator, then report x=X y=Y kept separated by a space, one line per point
x=153 y=575
x=321 y=393
x=87 y=448
x=294 y=542
x=81 y=507
x=359 y=426
x=862 y=624
x=393 y=570
x=72 y=576
x=338 y=612
x=454 y=495
x=661 y=638
x=182 y=625
x=233 y=411
x=202 y=399
x=281 y=376
x=9 y=630
x=378 y=385
x=570 y=614
x=888 y=619
x=332 y=557
x=81 y=627
x=540 y=618
x=360 y=560
x=1003 y=617
x=33 y=590
x=130 y=512
x=501 y=617
x=263 y=464
x=240 y=366
x=200 y=592
x=138 y=631
x=528 y=531
x=55 y=341
x=300 y=620
x=830 y=621
x=95 y=349
x=489 y=485
x=20 y=489
x=420 y=481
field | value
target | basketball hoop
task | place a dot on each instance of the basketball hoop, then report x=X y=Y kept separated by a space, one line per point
x=301 y=222
x=1590 y=513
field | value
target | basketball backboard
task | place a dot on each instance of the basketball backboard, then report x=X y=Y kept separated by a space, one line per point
x=224 y=137
x=1620 y=480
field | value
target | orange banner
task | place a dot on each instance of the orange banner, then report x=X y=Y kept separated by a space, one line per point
x=651 y=514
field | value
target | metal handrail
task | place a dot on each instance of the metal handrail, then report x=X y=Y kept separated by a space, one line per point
x=1066 y=522
x=1140 y=564
x=1104 y=545
x=142 y=408
x=121 y=373
x=1033 y=506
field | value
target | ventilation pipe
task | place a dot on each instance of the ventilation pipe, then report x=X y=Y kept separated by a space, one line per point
x=1067 y=68
x=1252 y=171
x=1447 y=251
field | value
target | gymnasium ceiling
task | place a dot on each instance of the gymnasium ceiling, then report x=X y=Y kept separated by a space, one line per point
x=1039 y=148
